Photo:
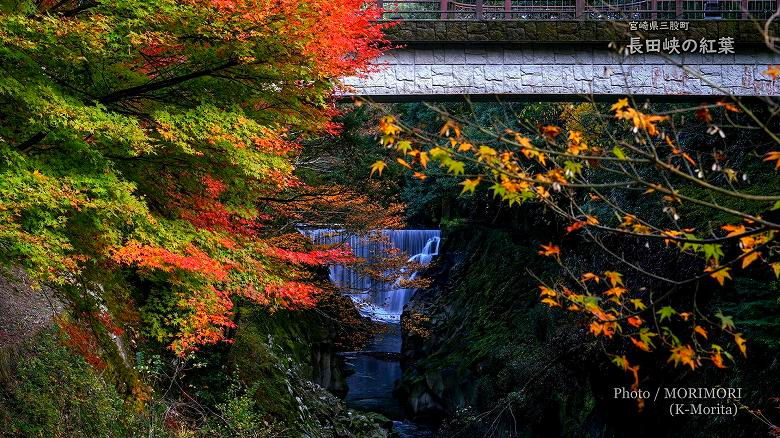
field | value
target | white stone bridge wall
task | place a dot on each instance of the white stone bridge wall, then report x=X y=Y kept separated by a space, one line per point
x=558 y=72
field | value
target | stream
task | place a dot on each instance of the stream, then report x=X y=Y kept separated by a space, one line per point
x=374 y=370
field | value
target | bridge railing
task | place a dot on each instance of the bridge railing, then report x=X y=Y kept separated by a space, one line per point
x=578 y=9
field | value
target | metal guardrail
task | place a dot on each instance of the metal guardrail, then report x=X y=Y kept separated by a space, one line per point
x=578 y=9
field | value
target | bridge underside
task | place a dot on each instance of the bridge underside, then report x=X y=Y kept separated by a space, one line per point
x=560 y=73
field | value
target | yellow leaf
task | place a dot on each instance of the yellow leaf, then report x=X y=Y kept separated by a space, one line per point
x=404 y=146
x=591 y=220
x=621 y=361
x=378 y=166
x=469 y=185
x=721 y=275
x=485 y=152
x=420 y=176
x=638 y=304
x=740 y=341
x=424 y=159
x=619 y=105
x=550 y=302
x=402 y=162
x=700 y=330
x=524 y=141
x=776 y=269
x=465 y=147
x=750 y=258
x=615 y=278
x=388 y=127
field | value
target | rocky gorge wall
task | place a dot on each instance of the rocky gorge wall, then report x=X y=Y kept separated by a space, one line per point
x=483 y=356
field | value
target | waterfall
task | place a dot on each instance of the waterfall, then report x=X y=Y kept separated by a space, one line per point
x=380 y=300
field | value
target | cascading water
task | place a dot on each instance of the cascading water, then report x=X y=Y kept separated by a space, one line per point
x=379 y=300
x=375 y=370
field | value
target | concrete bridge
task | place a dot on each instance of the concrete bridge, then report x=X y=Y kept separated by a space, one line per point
x=572 y=48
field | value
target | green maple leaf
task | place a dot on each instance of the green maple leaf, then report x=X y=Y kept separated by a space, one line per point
x=726 y=322
x=666 y=312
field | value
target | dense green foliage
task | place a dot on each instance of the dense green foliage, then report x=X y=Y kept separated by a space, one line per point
x=49 y=391
x=151 y=174
x=155 y=139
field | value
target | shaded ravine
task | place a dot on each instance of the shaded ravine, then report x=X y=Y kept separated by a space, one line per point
x=374 y=370
x=372 y=375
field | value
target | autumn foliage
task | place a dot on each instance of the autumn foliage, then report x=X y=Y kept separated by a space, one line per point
x=155 y=141
x=584 y=174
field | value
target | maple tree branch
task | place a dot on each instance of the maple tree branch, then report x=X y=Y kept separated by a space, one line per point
x=154 y=86
x=133 y=92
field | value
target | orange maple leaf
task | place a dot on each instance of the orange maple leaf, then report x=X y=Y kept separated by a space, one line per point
x=591 y=276
x=720 y=275
x=729 y=106
x=683 y=354
x=615 y=278
x=616 y=291
x=576 y=226
x=546 y=291
x=773 y=156
x=549 y=132
x=642 y=345
x=550 y=250
x=750 y=258
x=773 y=72
x=596 y=328
x=717 y=359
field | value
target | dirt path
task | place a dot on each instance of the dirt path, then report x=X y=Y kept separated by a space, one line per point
x=23 y=310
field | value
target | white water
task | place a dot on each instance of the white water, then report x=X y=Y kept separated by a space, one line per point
x=381 y=301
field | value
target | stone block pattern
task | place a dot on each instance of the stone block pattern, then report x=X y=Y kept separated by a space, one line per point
x=568 y=31
x=551 y=71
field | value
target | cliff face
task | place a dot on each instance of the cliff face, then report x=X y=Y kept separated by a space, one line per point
x=477 y=341
x=277 y=378
x=484 y=357
x=288 y=359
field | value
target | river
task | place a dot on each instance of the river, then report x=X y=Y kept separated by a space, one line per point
x=374 y=370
